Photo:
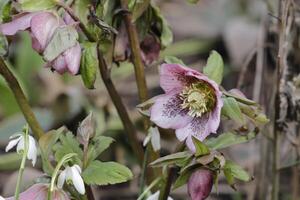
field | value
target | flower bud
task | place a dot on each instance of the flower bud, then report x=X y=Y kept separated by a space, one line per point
x=200 y=184
x=86 y=129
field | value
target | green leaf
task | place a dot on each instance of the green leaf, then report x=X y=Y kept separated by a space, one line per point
x=255 y=114
x=173 y=59
x=68 y=144
x=228 y=139
x=233 y=170
x=10 y=161
x=240 y=99
x=193 y=1
x=104 y=173
x=5 y=8
x=89 y=64
x=176 y=158
x=36 y=5
x=182 y=179
x=62 y=39
x=3 y=45
x=214 y=67
x=232 y=110
x=139 y=7
x=98 y=145
x=201 y=148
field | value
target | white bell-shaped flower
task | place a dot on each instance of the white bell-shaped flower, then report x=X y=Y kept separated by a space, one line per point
x=19 y=141
x=1 y=198
x=72 y=175
x=155 y=196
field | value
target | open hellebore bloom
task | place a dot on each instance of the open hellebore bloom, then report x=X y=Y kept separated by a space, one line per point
x=155 y=196
x=200 y=184
x=72 y=175
x=191 y=104
x=42 y=26
x=19 y=141
x=40 y=192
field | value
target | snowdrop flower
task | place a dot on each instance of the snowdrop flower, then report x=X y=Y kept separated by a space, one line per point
x=72 y=175
x=1 y=198
x=200 y=184
x=19 y=141
x=155 y=196
x=191 y=104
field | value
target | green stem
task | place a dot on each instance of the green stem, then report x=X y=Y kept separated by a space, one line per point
x=22 y=166
x=148 y=189
x=21 y=99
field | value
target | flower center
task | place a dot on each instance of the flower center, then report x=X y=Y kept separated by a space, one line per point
x=198 y=98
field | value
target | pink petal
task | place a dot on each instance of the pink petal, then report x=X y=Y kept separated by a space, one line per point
x=20 y=22
x=36 y=44
x=150 y=49
x=166 y=112
x=43 y=26
x=200 y=184
x=174 y=76
x=72 y=58
x=59 y=64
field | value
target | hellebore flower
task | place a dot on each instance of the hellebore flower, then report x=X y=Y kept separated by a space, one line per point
x=200 y=184
x=72 y=175
x=155 y=196
x=191 y=104
x=40 y=192
x=42 y=26
x=19 y=141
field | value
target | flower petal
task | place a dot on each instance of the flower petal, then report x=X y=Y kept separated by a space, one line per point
x=12 y=143
x=77 y=180
x=77 y=168
x=1 y=198
x=166 y=112
x=35 y=192
x=200 y=184
x=43 y=26
x=72 y=58
x=21 y=144
x=59 y=64
x=32 y=150
x=19 y=23
x=61 y=179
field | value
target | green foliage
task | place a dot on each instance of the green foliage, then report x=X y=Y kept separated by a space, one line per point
x=3 y=45
x=36 y=5
x=193 y=1
x=97 y=146
x=62 y=39
x=232 y=110
x=201 y=148
x=89 y=64
x=138 y=8
x=104 y=173
x=173 y=59
x=5 y=8
x=214 y=67
x=233 y=171
x=179 y=158
x=182 y=178
x=228 y=139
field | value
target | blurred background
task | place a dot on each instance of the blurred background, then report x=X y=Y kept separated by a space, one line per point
x=242 y=31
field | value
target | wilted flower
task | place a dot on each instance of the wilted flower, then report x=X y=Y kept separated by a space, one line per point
x=42 y=26
x=191 y=104
x=200 y=184
x=86 y=129
x=72 y=175
x=40 y=192
x=19 y=141
x=155 y=196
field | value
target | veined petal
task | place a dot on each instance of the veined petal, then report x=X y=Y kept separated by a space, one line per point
x=77 y=180
x=32 y=150
x=43 y=26
x=12 y=143
x=61 y=179
x=59 y=64
x=166 y=112
x=21 y=144
x=72 y=59
x=20 y=22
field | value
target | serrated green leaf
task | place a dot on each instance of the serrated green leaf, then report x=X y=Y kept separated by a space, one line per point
x=176 y=158
x=201 y=148
x=36 y=5
x=228 y=139
x=89 y=64
x=63 y=38
x=232 y=110
x=235 y=171
x=214 y=67
x=173 y=59
x=105 y=173
x=97 y=146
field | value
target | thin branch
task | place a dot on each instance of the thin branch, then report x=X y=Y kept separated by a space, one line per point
x=21 y=99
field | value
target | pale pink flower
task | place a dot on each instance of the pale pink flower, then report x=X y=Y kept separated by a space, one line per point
x=191 y=104
x=200 y=184
x=40 y=192
x=41 y=26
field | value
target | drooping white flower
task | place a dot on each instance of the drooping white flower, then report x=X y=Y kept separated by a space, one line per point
x=155 y=196
x=19 y=141
x=1 y=198
x=72 y=175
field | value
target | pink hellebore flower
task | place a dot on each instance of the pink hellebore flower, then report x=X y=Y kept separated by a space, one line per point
x=200 y=184
x=191 y=104
x=42 y=26
x=40 y=192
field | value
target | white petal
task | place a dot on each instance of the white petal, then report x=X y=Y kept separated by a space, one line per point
x=155 y=196
x=1 y=198
x=77 y=180
x=16 y=135
x=77 y=168
x=32 y=150
x=61 y=179
x=12 y=143
x=21 y=144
